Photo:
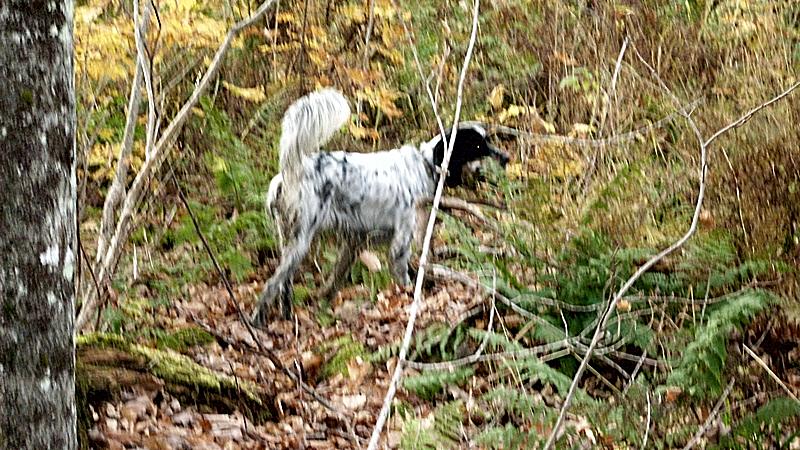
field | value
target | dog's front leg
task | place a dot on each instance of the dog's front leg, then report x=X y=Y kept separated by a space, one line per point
x=400 y=252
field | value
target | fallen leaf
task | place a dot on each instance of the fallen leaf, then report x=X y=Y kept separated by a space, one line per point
x=370 y=260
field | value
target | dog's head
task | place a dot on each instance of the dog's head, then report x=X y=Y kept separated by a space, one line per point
x=471 y=145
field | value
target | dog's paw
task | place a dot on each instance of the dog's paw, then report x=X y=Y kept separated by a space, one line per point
x=259 y=317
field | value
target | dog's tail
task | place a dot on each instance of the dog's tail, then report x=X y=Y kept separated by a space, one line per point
x=308 y=124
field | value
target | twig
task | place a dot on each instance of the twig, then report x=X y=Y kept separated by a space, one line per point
x=771 y=373
x=460 y=204
x=146 y=67
x=117 y=189
x=713 y=415
x=600 y=142
x=539 y=351
x=635 y=372
x=89 y=268
x=449 y=365
x=160 y=151
x=365 y=58
x=431 y=96
x=677 y=244
x=599 y=376
x=441 y=272
x=608 y=107
x=647 y=427
x=440 y=76
x=398 y=371
x=749 y=114
x=261 y=349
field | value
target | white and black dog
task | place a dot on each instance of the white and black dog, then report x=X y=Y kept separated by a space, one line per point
x=362 y=196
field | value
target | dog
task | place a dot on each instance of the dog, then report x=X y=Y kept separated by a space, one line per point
x=361 y=196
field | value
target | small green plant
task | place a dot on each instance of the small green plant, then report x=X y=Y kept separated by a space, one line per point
x=431 y=382
x=749 y=432
x=443 y=432
x=700 y=370
x=344 y=350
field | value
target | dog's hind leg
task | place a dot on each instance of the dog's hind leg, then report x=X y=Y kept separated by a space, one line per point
x=293 y=254
x=348 y=251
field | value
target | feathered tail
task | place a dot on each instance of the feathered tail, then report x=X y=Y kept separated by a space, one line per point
x=308 y=124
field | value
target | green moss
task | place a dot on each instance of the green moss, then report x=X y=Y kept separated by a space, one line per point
x=26 y=95
x=171 y=366
x=184 y=338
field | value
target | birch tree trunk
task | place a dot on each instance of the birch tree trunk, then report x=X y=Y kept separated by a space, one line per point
x=37 y=225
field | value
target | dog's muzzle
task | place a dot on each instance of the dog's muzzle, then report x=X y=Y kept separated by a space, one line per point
x=501 y=156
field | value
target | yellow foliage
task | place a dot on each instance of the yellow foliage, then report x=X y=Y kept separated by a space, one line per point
x=105 y=48
x=287 y=17
x=554 y=160
x=254 y=94
x=496 y=96
x=105 y=133
x=558 y=161
x=514 y=171
x=525 y=116
x=383 y=98
x=363 y=133
x=101 y=155
x=581 y=130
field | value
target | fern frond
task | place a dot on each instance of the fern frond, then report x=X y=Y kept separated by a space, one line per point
x=515 y=404
x=533 y=370
x=699 y=372
x=429 y=383
x=443 y=432
x=509 y=436
x=751 y=429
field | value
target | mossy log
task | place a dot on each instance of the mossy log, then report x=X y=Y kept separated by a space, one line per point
x=108 y=364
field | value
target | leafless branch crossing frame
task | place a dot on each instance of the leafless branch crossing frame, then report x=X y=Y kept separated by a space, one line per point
x=398 y=372
x=703 y=143
x=161 y=149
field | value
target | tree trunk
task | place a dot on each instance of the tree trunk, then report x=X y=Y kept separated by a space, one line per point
x=37 y=225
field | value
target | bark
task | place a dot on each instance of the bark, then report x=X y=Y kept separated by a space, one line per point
x=37 y=225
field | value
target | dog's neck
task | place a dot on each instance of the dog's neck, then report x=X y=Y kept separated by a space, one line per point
x=426 y=148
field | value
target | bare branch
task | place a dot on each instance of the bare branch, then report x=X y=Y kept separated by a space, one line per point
x=161 y=150
x=677 y=244
x=749 y=114
x=117 y=189
x=398 y=371
x=144 y=62
x=771 y=373
x=711 y=417
x=601 y=142
x=647 y=426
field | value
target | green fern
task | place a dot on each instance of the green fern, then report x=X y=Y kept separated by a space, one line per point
x=438 y=342
x=430 y=383
x=749 y=433
x=516 y=404
x=699 y=372
x=533 y=370
x=344 y=349
x=443 y=433
x=510 y=436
